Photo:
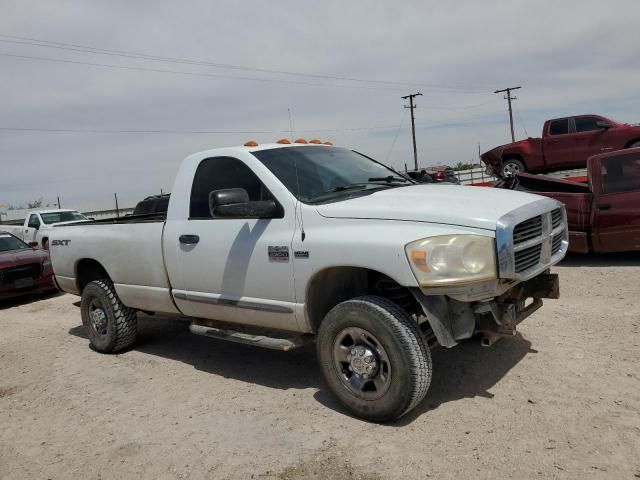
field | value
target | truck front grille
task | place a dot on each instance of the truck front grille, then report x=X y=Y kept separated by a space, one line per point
x=527 y=230
x=29 y=270
x=527 y=258
x=535 y=244
x=556 y=218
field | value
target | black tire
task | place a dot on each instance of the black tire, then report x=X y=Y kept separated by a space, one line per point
x=635 y=144
x=401 y=349
x=511 y=166
x=115 y=327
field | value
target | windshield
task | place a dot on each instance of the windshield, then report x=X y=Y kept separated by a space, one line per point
x=9 y=242
x=324 y=174
x=57 y=217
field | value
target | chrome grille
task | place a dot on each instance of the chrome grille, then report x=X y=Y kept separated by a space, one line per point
x=556 y=218
x=527 y=258
x=531 y=239
x=527 y=230
x=556 y=244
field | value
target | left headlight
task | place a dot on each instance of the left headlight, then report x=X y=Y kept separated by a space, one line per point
x=450 y=259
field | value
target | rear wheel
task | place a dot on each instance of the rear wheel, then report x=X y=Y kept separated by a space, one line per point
x=374 y=358
x=635 y=145
x=110 y=325
x=512 y=166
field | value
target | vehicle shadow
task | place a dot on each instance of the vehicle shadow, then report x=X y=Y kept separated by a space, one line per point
x=465 y=371
x=170 y=338
x=27 y=298
x=618 y=259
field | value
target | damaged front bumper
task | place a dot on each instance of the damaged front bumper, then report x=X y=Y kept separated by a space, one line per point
x=452 y=320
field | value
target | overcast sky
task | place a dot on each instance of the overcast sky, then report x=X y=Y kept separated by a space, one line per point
x=570 y=57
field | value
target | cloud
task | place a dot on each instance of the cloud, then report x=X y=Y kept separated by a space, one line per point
x=570 y=57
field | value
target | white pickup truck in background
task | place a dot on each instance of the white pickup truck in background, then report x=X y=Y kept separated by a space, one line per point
x=278 y=244
x=38 y=224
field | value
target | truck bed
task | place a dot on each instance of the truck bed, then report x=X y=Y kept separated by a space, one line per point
x=577 y=198
x=146 y=218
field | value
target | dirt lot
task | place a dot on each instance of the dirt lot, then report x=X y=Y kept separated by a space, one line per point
x=561 y=400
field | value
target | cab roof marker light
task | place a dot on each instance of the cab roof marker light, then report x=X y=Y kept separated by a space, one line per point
x=315 y=141
x=284 y=141
x=327 y=143
x=300 y=140
x=251 y=143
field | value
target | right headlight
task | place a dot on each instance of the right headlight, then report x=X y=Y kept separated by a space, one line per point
x=451 y=259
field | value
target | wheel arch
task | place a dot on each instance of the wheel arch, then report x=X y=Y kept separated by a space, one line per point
x=631 y=142
x=88 y=270
x=333 y=285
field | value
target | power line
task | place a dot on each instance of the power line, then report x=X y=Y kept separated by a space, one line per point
x=395 y=137
x=191 y=132
x=20 y=40
x=196 y=74
x=521 y=122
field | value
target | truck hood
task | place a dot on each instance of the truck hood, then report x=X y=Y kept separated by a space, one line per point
x=467 y=206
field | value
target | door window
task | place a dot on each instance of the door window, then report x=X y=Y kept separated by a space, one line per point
x=221 y=173
x=621 y=174
x=586 y=124
x=34 y=222
x=559 y=127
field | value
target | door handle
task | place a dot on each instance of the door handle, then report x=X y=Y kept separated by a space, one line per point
x=604 y=206
x=189 y=239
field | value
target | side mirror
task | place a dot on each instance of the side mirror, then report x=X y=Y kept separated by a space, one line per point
x=234 y=203
x=33 y=244
x=603 y=124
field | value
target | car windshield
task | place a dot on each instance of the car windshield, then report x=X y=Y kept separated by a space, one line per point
x=9 y=242
x=319 y=174
x=57 y=217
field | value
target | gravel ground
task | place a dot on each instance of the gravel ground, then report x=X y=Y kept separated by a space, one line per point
x=560 y=400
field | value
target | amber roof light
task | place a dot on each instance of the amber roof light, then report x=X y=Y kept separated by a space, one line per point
x=315 y=141
x=284 y=141
x=300 y=140
x=327 y=143
x=251 y=143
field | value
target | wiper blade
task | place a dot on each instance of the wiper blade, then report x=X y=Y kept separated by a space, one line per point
x=388 y=179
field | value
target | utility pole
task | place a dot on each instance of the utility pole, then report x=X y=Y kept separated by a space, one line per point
x=413 y=124
x=508 y=98
x=59 y=202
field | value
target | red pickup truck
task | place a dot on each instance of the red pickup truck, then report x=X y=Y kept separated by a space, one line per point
x=565 y=143
x=603 y=214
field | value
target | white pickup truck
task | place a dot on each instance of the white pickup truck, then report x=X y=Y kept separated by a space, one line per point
x=281 y=244
x=38 y=225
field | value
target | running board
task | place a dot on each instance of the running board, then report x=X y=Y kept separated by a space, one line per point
x=273 y=343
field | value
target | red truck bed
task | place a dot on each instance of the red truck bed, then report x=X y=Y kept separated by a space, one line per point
x=577 y=198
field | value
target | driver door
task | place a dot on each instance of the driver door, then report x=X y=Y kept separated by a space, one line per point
x=232 y=269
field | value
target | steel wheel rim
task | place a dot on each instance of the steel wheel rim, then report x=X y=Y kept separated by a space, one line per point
x=509 y=169
x=98 y=317
x=361 y=363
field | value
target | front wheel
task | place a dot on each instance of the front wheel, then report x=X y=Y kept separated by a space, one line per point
x=109 y=324
x=374 y=358
x=511 y=167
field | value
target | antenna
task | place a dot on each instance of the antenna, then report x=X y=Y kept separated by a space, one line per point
x=290 y=127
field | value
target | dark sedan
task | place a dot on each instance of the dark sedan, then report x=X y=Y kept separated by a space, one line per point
x=23 y=269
